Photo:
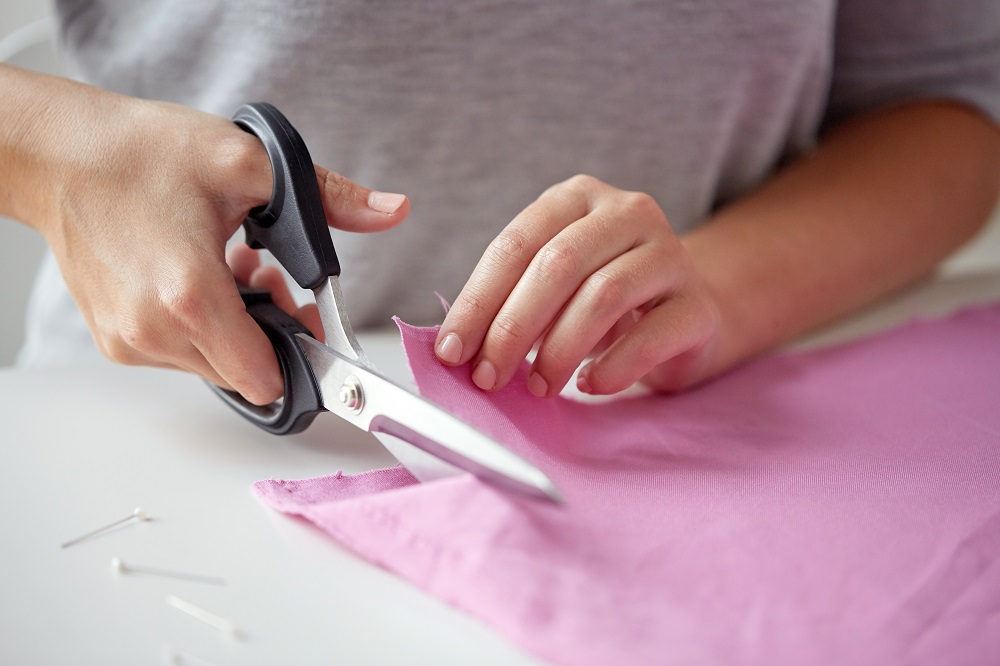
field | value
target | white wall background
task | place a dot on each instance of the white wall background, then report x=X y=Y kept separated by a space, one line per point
x=20 y=247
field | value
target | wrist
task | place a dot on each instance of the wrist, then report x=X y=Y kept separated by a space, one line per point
x=737 y=337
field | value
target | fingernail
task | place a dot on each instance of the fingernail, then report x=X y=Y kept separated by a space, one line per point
x=537 y=385
x=485 y=376
x=450 y=349
x=582 y=384
x=385 y=202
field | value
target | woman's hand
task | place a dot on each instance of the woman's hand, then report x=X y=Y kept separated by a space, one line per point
x=586 y=268
x=137 y=200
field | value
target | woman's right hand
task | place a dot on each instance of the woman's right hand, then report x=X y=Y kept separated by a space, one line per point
x=137 y=200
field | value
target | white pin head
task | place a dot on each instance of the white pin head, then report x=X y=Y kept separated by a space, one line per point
x=138 y=515
x=119 y=566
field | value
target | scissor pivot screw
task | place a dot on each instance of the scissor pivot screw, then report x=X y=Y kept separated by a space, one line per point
x=351 y=395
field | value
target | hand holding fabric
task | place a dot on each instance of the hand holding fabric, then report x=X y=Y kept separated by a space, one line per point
x=885 y=196
x=586 y=268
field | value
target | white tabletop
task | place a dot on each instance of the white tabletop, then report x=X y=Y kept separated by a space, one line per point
x=86 y=445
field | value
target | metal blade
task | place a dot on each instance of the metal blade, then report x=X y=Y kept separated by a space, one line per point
x=372 y=402
x=340 y=336
x=336 y=325
x=422 y=465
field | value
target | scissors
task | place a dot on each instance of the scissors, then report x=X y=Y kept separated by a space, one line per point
x=338 y=376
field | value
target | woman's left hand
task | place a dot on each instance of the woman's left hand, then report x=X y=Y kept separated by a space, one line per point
x=587 y=268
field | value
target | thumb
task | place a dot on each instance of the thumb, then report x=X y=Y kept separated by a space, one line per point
x=350 y=207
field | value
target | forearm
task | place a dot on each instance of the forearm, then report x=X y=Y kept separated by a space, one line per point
x=35 y=121
x=883 y=199
x=61 y=140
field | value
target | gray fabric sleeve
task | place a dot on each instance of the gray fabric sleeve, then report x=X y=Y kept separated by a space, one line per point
x=890 y=51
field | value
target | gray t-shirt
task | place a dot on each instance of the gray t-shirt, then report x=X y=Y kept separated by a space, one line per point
x=473 y=108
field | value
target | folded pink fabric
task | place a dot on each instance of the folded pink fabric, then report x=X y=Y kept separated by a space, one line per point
x=832 y=507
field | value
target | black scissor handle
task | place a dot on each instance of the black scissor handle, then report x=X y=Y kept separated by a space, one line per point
x=302 y=400
x=293 y=225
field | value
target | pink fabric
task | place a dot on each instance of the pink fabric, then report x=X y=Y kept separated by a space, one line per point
x=838 y=506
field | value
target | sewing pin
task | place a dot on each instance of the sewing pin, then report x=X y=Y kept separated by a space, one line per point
x=119 y=566
x=224 y=625
x=138 y=515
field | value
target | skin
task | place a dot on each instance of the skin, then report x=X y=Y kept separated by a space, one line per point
x=592 y=270
x=137 y=200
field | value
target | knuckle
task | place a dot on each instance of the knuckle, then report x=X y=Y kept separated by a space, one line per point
x=181 y=304
x=580 y=186
x=638 y=201
x=560 y=259
x=572 y=189
x=582 y=181
x=115 y=348
x=606 y=293
x=508 y=247
x=641 y=205
x=557 y=359
x=470 y=306
x=475 y=304
x=646 y=352
x=335 y=186
x=507 y=333
x=130 y=341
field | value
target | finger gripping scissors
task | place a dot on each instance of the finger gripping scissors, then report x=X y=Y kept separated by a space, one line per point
x=338 y=376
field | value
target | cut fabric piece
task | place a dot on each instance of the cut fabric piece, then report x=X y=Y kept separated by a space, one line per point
x=829 y=507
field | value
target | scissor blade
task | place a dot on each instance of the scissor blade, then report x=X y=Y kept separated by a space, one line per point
x=381 y=406
x=422 y=465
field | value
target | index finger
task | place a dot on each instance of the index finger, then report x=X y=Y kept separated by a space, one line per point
x=231 y=342
x=501 y=267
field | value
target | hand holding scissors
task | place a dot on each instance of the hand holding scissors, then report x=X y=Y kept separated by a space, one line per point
x=338 y=376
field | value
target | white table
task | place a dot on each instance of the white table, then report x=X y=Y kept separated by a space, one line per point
x=85 y=445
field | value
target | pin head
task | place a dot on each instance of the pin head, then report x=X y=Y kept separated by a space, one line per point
x=138 y=515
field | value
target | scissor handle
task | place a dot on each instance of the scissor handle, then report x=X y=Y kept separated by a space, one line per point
x=293 y=225
x=302 y=400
